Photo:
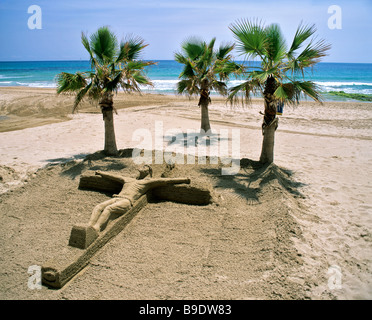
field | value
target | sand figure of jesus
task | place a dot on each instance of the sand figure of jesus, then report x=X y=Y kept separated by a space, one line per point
x=132 y=190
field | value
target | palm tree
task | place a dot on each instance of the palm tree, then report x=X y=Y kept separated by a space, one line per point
x=280 y=78
x=205 y=69
x=113 y=66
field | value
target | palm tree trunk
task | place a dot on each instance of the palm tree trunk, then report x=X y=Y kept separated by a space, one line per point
x=270 y=123
x=267 y=151
x=203 y=103
x=205 y=124
x=108 y=117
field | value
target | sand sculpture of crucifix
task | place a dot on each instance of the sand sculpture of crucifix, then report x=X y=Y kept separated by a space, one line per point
x=83 y=235
x=132 y=196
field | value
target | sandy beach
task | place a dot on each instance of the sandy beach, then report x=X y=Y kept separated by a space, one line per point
x=273 y=233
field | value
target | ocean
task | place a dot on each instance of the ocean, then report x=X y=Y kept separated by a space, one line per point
x=347 y=77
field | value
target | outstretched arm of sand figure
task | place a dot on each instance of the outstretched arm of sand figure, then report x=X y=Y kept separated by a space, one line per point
x=160 y=182
x=134 y=190
x=113 y=177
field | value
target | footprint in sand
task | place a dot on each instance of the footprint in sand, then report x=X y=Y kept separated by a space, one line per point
x=328 y=190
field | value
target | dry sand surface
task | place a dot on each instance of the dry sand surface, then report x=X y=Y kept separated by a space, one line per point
x=277 y=232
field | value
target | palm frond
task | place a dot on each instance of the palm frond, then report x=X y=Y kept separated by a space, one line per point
x=283 y=93
x=193 y=48
x=188 y=86
x=225 y=69
x=80 y=96
x=141 y=79
x=291 y=92
x=244 y=91
x=180 y=58
x=224 y=50
x=131 y=48
x=310 y=89
x=312 y=53
x=262 y=75
x=104 y=45
x=188 y=70
x=220 y=87
x=211 y=44
x=68 y=82
x=251 y=37
x=182 y=86
x=126 y=85
x=95 y=92
x=112 y=85
x=275 y=44
x=135 y=65
x=86 y=44
x=208 y=56
x=303 y=33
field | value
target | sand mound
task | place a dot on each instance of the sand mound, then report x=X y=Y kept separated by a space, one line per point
x=8 y=174
x=11 y=178
x=241 y=246
x=327 y=147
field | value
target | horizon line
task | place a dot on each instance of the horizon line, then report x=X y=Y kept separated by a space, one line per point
x=75 y=60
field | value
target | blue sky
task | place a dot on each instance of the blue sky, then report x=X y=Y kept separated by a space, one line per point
x=165 y=24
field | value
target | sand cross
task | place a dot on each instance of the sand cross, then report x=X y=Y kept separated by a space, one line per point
x=87 y=239
x=83 y=236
